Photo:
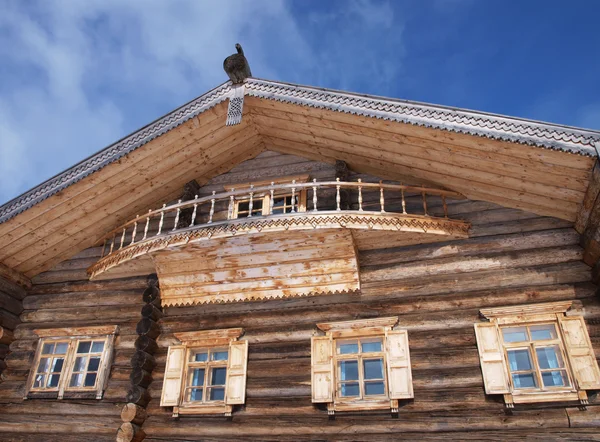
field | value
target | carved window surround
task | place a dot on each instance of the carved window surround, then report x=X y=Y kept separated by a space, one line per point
x=537 y=353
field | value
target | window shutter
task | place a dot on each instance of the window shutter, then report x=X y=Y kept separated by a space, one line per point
x=236 y=373
x=321 y=369
x=107 y=358
x=491 y=357
x=173 y=374
x=398 y=364
x=581 y=353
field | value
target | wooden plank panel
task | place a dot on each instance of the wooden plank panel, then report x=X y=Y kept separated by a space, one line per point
x=210 y=121
x=386 y=170
x=504 y=173
x=86 y=237
x=364 y=146
x=535 y=154
x=316 y=272
x=145 y=181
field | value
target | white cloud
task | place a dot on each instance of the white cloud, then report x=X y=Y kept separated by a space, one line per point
x=78 y=75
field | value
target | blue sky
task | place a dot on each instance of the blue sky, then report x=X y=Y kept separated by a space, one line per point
x=76 y=75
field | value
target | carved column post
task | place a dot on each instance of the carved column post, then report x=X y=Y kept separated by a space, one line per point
x=341 y=172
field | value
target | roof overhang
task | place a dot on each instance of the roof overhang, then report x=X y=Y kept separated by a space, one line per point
x=539 y=167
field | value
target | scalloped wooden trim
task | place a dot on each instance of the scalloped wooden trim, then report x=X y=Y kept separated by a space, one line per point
x=361 y=326
x=70 y=332
x=546 y=308
x=275 y=223
x=210 y=335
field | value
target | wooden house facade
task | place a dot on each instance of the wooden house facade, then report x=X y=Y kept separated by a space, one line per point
x=279 y=262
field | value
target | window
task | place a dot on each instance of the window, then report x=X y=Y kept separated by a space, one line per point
x=72 y=366
x=361 y=365
x=284 y=201
x=206 y=374
x=536 y=353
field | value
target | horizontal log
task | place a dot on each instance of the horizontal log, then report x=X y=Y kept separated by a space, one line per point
x=150 y=311
x=133 y=413
x=140 y=377
x=146 y=344
x=148 y=327
x=129 y=432
x=138 y=395
x=6 y=336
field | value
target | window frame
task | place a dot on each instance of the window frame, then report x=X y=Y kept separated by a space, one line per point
x=531 y=345
x=574 y=354
x=209 y=340
x=360 y=357
x=208 y=366
x=265 y=197
x=73 y=337
x=360 y=330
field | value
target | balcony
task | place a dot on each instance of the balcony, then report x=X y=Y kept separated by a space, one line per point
x=281 y=208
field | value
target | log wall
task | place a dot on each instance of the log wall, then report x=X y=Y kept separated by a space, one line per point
x=513 y=257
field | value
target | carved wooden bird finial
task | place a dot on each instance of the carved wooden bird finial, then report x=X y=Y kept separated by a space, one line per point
x=236 y=66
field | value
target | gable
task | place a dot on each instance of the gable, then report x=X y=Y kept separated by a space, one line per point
x=544 y=169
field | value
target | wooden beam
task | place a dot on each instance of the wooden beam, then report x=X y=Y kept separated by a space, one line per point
x=589 y=200
x=14 y=276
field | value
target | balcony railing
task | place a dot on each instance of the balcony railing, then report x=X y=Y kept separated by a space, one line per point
x=322 y=198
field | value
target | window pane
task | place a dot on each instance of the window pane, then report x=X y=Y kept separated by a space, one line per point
x=90 y=380
x=57 y=365
x=515 y=334
x=80 y=363
x=348 y=370
x=373 y=388
x=554 y=378
x=39 y=381
x=219 y=356
x=549 y=357
x=373 y=368
x=196 y=394
x=94 y=364
x=526 y=380
x=44 y=365
x=347 y=390
x=53 y=380
x=200 y=357
x=61 y=348
x=48 y=349
x=218 y=376
x=541 y=332
x=76 y=380
x=348 y=348
x=84 y=347
x=98 y=347
x=243 y=207
x=371 y=346
x=280 y=201
x=217 y=394
x=198 y=377
x=519 y=360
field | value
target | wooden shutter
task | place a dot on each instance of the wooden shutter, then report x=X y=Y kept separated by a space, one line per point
x=581 y=353
x=236 y=373
x=491 y=357
x=107 y=358
x=173 y=374
x=321 y=369
x=398 y=364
